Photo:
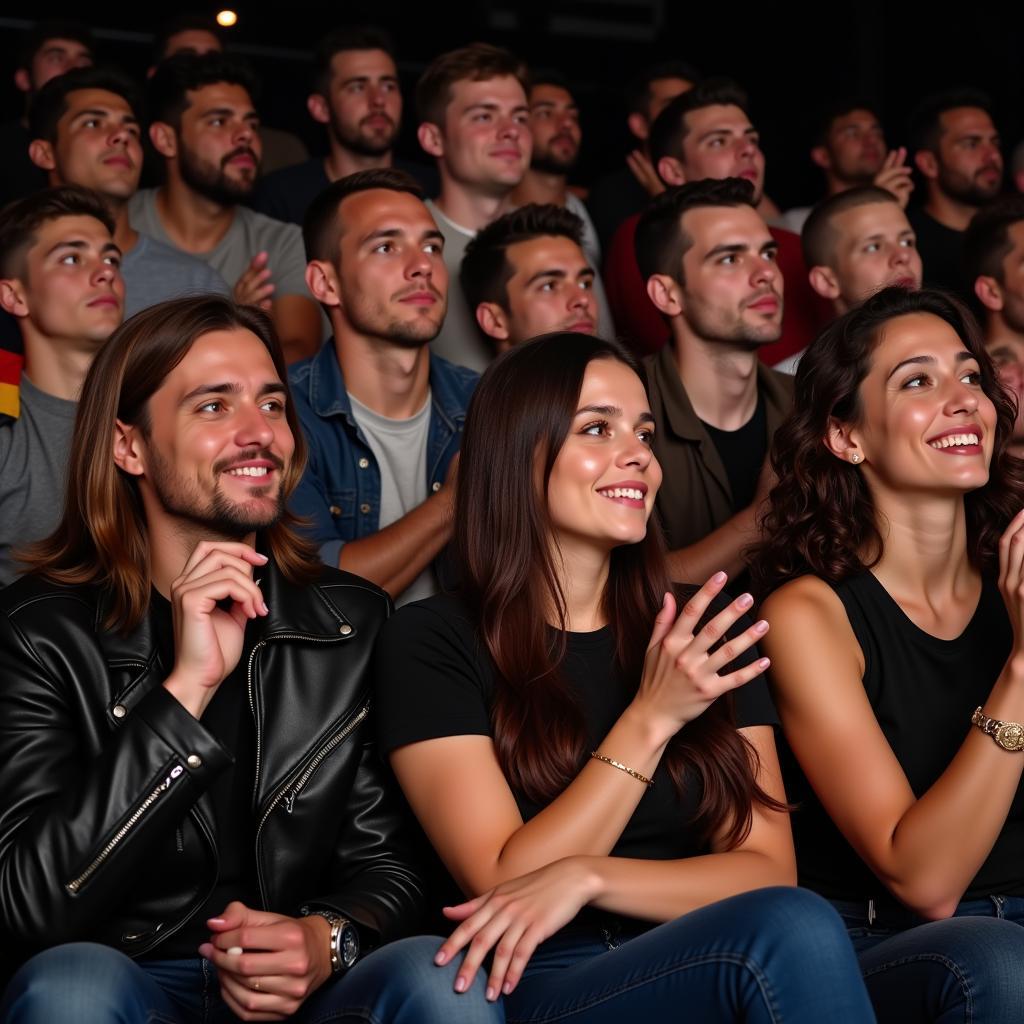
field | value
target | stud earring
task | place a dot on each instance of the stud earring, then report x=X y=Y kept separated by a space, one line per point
x=854 y=458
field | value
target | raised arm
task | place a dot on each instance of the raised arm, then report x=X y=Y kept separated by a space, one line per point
x=925 y=850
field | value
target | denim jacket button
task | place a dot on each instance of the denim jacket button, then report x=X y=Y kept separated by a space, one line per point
x=364 y=508
x=335 y=511
x=364 y=463
x=436 y=486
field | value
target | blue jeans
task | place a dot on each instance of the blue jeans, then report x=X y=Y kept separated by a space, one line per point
x=92 y=984
x=773 y=956
x=968 y=968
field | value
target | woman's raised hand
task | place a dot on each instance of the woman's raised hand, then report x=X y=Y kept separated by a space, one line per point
x=682 y=675
x=1011 y=576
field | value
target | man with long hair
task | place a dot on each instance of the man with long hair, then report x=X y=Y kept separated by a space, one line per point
x=192 y=809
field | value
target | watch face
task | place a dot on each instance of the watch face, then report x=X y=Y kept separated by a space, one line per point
x=349 y=945
x=1010 y=736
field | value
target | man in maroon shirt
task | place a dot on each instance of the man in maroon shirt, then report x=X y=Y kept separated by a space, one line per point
x=706 y=133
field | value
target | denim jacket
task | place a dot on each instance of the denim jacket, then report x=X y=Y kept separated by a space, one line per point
x=340 y=490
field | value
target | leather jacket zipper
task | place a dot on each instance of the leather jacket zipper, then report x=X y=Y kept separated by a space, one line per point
x=252 y=699
x=291 y=790
x=77 y=883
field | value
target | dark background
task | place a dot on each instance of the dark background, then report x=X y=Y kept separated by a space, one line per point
x=790 y=57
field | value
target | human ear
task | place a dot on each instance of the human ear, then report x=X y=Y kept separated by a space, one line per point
x=493 y=321
x=322 y=282
x=12 y=297
x=638 y=125
x=664 y=292
x=990 y=295
x=40 y=152
x=841 y=439
x=819 y=156
x=670 y=170
x=824 y=282
x=128 y=452
x=318 y=108
x=927 y=163
x=164 y=139
x=431 y=139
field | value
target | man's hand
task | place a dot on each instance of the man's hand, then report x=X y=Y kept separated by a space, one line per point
x=283 y=961
x=643 y=170
x=254 y=287
x=895 y=176
x=211 y=601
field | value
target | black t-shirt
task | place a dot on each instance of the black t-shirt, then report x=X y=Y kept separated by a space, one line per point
x=226 y=805
x=742 y=453
x=435 y=678
x=923 y=691
x=942 y=253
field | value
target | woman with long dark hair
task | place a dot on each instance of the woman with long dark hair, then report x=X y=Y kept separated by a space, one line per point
x=568 y=737
x=895 y=564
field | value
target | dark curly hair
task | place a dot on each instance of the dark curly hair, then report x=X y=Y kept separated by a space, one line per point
x=821 y=518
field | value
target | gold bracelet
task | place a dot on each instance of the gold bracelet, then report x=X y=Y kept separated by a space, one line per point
x=622 y=768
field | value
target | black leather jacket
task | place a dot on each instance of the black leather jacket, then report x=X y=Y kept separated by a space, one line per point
x=100 y=765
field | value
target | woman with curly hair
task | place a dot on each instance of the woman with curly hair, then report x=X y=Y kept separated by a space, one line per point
x=595 y=768
x=895 y=567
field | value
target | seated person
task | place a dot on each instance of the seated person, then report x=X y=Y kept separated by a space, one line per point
x=60 y=282
x=526 y=274
x=564 y=638
x=381 y=413
x=897 y=658
x=857 y=243
x=181 y=841
x=711 y=267
x=85 y=131
x=204 y=126
x=994 y=262
x=706 y=133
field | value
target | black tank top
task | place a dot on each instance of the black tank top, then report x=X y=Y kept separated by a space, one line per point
x=923 y=691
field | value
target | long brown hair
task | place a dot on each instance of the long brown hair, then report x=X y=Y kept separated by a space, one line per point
x=102 y=537
x=517 y=422
x=821 y=517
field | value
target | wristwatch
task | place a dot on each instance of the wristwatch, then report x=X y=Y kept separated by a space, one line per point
x=344 y=940
x=1009 y=735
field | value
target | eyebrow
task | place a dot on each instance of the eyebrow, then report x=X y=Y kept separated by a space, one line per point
x=736 y=248
x=81 y=245
x=431 y=234
x=274 y=387
x=961 y=357
x=127 y=118
x=366 y=78
x=749 y=130
x=613 y=411
x=226 y=112
x=490 y=105
x=552 y=104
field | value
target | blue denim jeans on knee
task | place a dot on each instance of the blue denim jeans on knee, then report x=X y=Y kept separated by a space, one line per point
x=967 y=968
x=774 y=956
x=92 y=984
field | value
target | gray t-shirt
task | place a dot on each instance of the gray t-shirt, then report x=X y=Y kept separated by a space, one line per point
x=400 y=448
x=461 y=340
x=250 y=233
x=153 y=272
x=33 y=465
x=592 y=249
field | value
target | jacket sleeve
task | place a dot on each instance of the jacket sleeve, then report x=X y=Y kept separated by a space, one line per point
x=376 y=880
x=84 y=795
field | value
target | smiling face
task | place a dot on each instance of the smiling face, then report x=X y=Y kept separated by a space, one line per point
x=721 y=142
x=486 y=139
x=391 y=274
x=98 y=144
x=365 y=103
x=605 y=477
x=926 y=424
x=218 y=442
x=875 y=247
x=219 y=143
x=732 y=290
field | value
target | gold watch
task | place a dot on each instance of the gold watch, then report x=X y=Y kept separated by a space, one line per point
x=1008 y=735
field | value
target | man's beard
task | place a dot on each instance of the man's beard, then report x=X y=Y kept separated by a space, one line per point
x=216 y=515
x=370 y=322
x=548 y=162
x=712 y=327
x=356 y=142
x=214 y=183
x=968 y=190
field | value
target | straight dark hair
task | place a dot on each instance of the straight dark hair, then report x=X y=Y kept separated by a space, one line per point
x=821 y=517
x=518 y=420
x=102 y=537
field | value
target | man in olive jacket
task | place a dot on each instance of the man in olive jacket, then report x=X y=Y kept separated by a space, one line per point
x=193 y=820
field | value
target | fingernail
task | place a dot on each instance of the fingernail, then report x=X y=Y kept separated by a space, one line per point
x=719 y=577
x=440 y=958
x=460 y=984
x=507 y=987
x=215 y=920
x=264 y=608
x=490 y=995
x=262 y=557
x=761 y=627
x=764 y=663
x=234 y=950
x=744 y=600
